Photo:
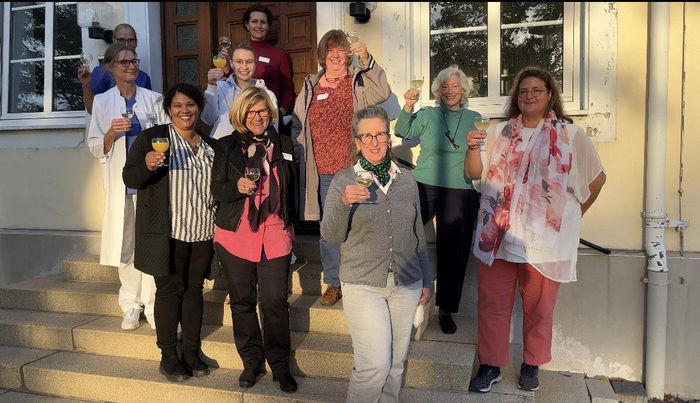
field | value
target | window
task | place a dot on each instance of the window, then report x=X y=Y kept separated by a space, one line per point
x=41 y=50
x=492 y=41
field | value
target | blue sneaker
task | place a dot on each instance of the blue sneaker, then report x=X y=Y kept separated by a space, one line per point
x=528 y=377
x=486 y=377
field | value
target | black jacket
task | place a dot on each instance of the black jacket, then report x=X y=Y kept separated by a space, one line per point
x=152 y=243
x=229 y=167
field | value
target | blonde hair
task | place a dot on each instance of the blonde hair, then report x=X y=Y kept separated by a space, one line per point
x=242 y=104
x=445 y=75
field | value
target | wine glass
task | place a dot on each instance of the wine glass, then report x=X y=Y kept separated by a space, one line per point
x=219 y=61
x=85 y=59
x=482 y=123
x=417 y=82
x=161 y=144
x=354 y=37
x=224 y=42
x=128 y=113
x=252 y=174
x=152 y=118
x=365 y=179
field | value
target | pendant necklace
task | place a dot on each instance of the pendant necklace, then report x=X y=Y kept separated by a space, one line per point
x=447 y=132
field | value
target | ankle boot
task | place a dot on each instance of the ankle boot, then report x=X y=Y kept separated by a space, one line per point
x=194 y=364
x=171 y=366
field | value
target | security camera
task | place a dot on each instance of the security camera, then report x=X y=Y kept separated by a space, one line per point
x=360 y=11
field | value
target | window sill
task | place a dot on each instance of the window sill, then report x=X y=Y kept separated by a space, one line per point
x=75 y=122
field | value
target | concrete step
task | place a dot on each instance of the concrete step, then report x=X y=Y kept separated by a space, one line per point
x=131 y=380
x=53 y=294
x=20 y=397
x=430 y=364
x=305 y=277
x=12 y=359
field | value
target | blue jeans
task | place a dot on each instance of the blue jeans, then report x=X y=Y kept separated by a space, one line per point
x=330 y=253
x=380 y=321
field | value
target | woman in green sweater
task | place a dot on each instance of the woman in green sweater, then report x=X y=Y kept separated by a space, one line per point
x=445 y=192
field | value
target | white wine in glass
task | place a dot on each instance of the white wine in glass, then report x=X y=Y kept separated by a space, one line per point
x=482 y=123
x=364 y=178
x=85 y=59
x=353 y=36
x=161 y=144
x=417 y=82
x=252 y=174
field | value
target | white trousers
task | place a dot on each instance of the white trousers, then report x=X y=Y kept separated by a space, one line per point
x=380 y=322
x=137 y=288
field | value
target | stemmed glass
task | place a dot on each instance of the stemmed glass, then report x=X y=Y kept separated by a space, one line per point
x=86 y=59
x=417 y=82
x=219 y=61
x=152 y=118
x=365 y=179
x=128 y=114
x=161 y=144
x=354 y=37
x=252 y=174
x=224 y=42
x=482 y=123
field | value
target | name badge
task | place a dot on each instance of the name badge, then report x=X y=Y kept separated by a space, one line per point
x=264 y=59
x=321 y=97
x=287 y=157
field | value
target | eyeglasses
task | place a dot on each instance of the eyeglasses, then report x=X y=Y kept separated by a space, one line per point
x=124 y=41
x=366 y=138
x=125 y=63
x=263 y=113
x=535 y=92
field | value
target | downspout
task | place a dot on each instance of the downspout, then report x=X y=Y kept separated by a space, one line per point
x=655 y=219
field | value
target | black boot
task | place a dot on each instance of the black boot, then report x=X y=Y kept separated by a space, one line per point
x=287 y=382
x=194 y=364
x=171 y=366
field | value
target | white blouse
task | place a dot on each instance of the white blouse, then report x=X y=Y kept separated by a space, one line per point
x=559 y=262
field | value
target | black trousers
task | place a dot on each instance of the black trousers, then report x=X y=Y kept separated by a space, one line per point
x=455 y=212
x=269 y=278
x=179 y=294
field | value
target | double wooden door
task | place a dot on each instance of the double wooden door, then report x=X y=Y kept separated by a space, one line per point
x=191 y=29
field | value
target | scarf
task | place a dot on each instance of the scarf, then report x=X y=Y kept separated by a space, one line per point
x=380 y=171
x=524 y=192
x=258 y=153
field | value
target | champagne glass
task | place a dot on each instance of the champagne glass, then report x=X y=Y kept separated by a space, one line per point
x=354 y=37
x=482 y=123
x=224 y=42
x=252 y=174
x=86 y=59
x=161 y=144
x=219 y=61
x=365 y=179
x=417 y=82
x=128 y=113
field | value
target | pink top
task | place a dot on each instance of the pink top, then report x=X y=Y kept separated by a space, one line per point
x=271 y=235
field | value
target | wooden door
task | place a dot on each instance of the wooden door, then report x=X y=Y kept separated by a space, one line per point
x=187 y=40
x=293 y=28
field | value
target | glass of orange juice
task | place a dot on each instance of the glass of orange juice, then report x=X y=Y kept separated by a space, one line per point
x=161 y=144
x=219 y=61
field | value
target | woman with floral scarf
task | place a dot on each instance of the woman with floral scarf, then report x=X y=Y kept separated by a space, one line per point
x=539 y=175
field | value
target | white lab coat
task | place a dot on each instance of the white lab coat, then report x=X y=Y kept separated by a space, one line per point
x=107 y=106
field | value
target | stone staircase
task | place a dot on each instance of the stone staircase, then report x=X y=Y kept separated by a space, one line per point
x=60 y=340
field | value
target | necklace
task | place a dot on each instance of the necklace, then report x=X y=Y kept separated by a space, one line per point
x=447 y=132
x=333 y=80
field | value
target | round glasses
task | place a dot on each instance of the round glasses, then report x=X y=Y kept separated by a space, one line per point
x=366 y=138
x=535 y=92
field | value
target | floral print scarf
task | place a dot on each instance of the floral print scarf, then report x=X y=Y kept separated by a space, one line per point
x=524 y=193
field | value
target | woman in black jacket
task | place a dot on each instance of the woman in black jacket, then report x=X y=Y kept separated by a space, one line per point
x=174 y=225
x=255 y=231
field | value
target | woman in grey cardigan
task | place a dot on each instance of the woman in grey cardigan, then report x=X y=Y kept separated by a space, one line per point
x=384 y=260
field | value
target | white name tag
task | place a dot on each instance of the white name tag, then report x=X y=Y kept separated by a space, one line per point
x=264 y=59
x=286 y=156
x=321 y=97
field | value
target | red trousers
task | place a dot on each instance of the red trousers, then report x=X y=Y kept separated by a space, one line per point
x=496 y=297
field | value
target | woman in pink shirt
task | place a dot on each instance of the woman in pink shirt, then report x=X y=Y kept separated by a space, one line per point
x=254 y=233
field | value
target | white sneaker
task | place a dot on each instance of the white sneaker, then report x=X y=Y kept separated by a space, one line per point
x=151 y=321
x=131 y=319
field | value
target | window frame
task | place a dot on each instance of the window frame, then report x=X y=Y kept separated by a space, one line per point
x=46 y=118
x=574 y=82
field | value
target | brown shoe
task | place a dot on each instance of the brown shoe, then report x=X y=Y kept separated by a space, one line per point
x=332 y=295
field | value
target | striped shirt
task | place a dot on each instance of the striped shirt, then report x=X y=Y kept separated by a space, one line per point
x=191 y=202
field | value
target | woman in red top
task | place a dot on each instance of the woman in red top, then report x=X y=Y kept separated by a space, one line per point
x=273 y=64
x=254 y=232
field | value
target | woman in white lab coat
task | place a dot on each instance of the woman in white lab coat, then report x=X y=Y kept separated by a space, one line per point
x=119 y=115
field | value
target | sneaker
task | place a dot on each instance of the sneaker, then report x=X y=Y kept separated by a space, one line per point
x=172 y=367
x=486 y=377
x=332 y=295
x=528 y=377
x=151 y=321
x=131 y=319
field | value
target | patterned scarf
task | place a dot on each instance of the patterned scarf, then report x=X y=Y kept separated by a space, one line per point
x=531 y=182
x=257 y=153
x=380 y=171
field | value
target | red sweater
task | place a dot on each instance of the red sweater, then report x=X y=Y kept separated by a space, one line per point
x=274 y=67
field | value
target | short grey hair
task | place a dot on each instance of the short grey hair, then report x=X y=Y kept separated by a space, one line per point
x=444 y=75
x=369 y=113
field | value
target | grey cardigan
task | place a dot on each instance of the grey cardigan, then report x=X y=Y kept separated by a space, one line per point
x=369 y=87
x=375 y=236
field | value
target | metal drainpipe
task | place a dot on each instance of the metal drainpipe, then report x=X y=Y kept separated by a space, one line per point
x=655 y=220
